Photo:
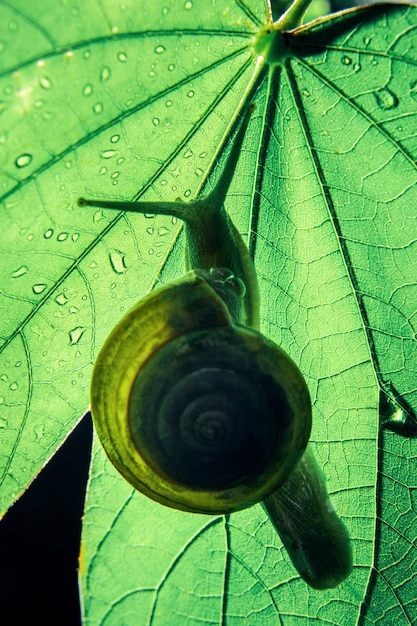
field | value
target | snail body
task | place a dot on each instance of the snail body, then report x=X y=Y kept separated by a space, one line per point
x=193 y=405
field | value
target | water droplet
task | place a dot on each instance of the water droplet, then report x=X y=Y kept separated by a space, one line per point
x=3 y=420
x=346 y=60
x=23 y=269
x=150 y=230
x=121 y=160
x=188 y=154
x=62 y=236
x=45 y=83
x=203 y=155
x=115 y=175
x=366 y=41
x=187 y=193
x=40 y=288
x=23 y=160
x=198 y=171
x=61 y=299
x=188 y=5
x=386 y=99
x=163 y=231
x=190 y=94
x=155 y=121
x=117 y=261
x=98 y=107
x=108 y=154
x=88 y=90
x=115 y=138
x=160 y=49
x=103 y=170
x=163 y=182
x=87 y=54
x=13 y=387
x=357 y=67
x=2 y=399
x=105 y=74
x=73 y=310
x=75 y=335
x=122 y=56
x=305 y=93
x=171 y=67
x=38 y=104
x=169 y=103
x=174 y=220
x=98 y=216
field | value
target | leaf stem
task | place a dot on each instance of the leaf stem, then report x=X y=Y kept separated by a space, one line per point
x=293 y=16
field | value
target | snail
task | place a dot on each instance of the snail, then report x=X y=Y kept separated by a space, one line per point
x=198 y=410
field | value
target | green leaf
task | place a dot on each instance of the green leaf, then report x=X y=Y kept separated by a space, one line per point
x=138 y=100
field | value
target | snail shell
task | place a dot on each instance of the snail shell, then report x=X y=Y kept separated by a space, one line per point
x=199 y=413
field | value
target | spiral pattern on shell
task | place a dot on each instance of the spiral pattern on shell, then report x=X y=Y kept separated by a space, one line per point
x=213 y=416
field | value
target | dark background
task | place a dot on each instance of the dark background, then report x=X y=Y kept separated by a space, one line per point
x=40 y=538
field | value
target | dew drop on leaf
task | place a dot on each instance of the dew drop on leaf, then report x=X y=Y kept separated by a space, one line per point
x=45 y=83
x=155 y=121
x=105 y=74
x=171 y=67
x=23 y=160
x=346 y=60
x=75 y=335
x=98 y=107
x=117 y=261
x=160 y=49
x=62 y=236
x=115 y=138
x=21 y=271
x=190 y=94
x=386 y=99
x=108 y=154
x=163 y=231
x=188 y=5
x=122 y=57
x=88 y=90
x=61 y=299
x=39 y=288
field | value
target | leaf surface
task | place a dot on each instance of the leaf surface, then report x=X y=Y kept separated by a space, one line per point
x=125 y=102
